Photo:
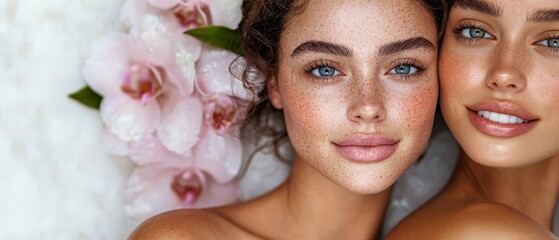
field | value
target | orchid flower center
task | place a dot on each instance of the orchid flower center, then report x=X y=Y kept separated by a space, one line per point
x=222 y=113
x=191 y=15
x=142 y=81
x=187 y=186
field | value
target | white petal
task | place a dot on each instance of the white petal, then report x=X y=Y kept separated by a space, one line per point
x=164 y=4
x=214 y=75
x=185 y=51
x=181 y=124
x=219 y=155
x=226 y=13
x=114 y=145
x=149 y=191
x=129 y=119
x=149 y=150
x=109 y=57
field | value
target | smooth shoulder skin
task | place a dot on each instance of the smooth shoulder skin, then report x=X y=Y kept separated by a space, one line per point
x=480 y=220
x=189 y=224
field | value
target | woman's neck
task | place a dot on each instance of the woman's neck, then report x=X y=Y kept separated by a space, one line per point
x=532 y=189
x=309 y=206
x=315 y=206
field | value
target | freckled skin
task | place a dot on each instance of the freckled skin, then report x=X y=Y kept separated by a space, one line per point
x=328 y=196
x=503 y=187
x=319 y=113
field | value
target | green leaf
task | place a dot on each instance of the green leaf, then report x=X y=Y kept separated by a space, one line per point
x=218 y=36
x=87 y=97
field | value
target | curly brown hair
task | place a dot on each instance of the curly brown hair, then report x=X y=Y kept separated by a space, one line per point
x=260 y=29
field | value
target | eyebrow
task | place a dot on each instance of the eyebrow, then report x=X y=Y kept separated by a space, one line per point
x=322 y=47
x=544 y=15
x=480 y=6
x=405 y=45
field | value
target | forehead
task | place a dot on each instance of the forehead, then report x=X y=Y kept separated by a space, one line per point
x=359 y=23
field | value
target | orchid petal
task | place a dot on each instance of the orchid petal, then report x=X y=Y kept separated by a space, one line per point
x=132 y=10
x=109 y=57
x=149 y=191
x=186 y=51
x=164 y=4
x=113 y=144
x=181 y=124
x=215 y=194
x=226 y=13
x=219 y=155
x=150 y=39
x=214 y=75
x=129 y=119
x=149 y=150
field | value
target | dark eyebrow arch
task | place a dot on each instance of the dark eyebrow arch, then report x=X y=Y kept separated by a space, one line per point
x=322 y=47
x=405 y=45
x=544 y=15
x=480 y=6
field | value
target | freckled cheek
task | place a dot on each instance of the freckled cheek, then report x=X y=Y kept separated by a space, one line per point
x=453 y=79
x=415 y=111
x=462 y=73
x=311 y=111
x=545 y=82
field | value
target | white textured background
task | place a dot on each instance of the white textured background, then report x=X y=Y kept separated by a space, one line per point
x=55 y=180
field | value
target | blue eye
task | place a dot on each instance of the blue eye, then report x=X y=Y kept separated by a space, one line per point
x=325 y=71
x=473 y=32
x=550 y=42
x=404 y=69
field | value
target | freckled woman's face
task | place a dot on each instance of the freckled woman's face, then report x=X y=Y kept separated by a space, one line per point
x=499 y=72
x=358 y=86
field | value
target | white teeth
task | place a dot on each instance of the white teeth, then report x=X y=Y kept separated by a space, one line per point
x=501 y=118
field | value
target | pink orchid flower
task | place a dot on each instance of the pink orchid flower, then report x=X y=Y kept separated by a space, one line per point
x=163 y=39
x=138 y=98
x=165 y=180
x=129 y=85
x=188 y=14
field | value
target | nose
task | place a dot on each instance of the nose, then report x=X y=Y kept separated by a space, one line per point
x=507 y=71
x=367 y=102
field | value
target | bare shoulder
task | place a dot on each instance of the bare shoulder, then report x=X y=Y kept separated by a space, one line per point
x=491 y=220
x=479 y=220
x=188 y=224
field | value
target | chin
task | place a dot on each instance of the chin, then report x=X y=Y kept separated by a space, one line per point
x=498 y=159
x=371 y=184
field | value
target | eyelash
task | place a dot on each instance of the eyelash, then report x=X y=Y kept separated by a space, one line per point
x=411 y=63
x=458 y=32
x=316 y=65
x=550 y=50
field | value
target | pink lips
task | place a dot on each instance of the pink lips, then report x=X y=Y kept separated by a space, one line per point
x=497 y=129
x=366 y=147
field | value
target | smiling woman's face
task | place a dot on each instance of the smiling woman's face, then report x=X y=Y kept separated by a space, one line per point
x=499 y=72
x=358 y=86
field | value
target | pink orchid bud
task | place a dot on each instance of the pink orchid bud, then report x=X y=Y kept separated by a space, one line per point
x=192 y=15
x=187 y=186
x=142 y=81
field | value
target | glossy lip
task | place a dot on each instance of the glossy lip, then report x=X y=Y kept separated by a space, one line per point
x=497 y=129
x=366 y=147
